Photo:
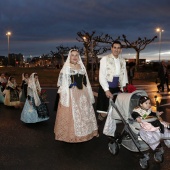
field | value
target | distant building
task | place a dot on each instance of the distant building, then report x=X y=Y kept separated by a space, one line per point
x=28 y=60
x=42 y=61
x=132 y=60
x=16 y=59
x=3 y=60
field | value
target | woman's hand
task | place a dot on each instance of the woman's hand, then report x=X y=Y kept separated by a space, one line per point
x=30 y=102
x=39 y=93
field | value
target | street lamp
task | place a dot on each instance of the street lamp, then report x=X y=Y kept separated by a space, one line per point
x=8 y=34
x=89 y=47
x=160 y=30
x=92 y=57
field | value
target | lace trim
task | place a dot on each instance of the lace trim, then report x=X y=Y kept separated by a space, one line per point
x=74 y=72
x=83 y=116
x=142 y=112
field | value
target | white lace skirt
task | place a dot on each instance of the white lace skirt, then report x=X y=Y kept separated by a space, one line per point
x=76 y=123
x=29 y=114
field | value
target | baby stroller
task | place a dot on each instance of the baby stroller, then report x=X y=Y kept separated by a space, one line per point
x=120 y=111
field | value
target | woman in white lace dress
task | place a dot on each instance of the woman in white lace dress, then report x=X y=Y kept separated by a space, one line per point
x=75 y=119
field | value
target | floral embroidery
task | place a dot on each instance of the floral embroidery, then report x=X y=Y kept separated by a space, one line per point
x=83 y=115
x=143 y=113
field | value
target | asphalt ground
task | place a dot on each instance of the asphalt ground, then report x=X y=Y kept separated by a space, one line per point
x=32 y=146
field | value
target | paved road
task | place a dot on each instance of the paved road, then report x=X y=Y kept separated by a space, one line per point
x=32 y=147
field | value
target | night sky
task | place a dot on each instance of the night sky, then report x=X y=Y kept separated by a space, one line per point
x=38 y=26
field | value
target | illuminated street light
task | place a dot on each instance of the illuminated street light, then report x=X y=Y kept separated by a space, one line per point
x=8 y=34
x=89 y=43
x=160 y=30
x=85 y=40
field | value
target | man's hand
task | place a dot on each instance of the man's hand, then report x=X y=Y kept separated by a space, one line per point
x=109 y=94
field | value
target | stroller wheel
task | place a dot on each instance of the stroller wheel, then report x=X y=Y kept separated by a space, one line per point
x=158 y=157
x=113 y=148
x=144 y=165
x=144 y=161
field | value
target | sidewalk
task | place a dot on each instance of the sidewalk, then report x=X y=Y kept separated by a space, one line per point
x=143 y=82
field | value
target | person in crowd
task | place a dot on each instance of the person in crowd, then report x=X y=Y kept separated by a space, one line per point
x=131 y=72
x=3 y=81
x=1 y=94
x=75 y=119
x=35 y=110
x=112 y=78
x=163 y=76
x=152 y=133
x=12 y=93
x=23 y=96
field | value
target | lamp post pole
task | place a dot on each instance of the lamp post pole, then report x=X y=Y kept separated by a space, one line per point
x=159 y=30
x=92 y=55
x=86 y=51
x=8 y=35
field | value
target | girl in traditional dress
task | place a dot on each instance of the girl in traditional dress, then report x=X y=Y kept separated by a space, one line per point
x=153 y=132
x=3 y=81
x=1 y=94
x=11 y=93
x=25 y=78
x=35 y=110
x=75 y=119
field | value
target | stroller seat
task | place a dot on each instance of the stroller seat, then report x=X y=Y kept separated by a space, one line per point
x=125 y=103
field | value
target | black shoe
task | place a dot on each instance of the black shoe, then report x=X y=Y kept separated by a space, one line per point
x=161 y=128
x=168 y=127
x=159 y=88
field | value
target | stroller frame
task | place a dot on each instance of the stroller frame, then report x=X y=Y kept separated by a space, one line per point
x=116 y=141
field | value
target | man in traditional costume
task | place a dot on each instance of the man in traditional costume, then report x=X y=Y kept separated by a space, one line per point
x=112 y=78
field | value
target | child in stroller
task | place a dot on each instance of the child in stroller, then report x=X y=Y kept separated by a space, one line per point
x=152 y=132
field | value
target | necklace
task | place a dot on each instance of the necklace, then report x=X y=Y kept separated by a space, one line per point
x=74 y=66
x=73 y=63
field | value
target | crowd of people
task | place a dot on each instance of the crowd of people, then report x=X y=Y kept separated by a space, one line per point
x=75 y=118
x=163 y=77
x=27 y=96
